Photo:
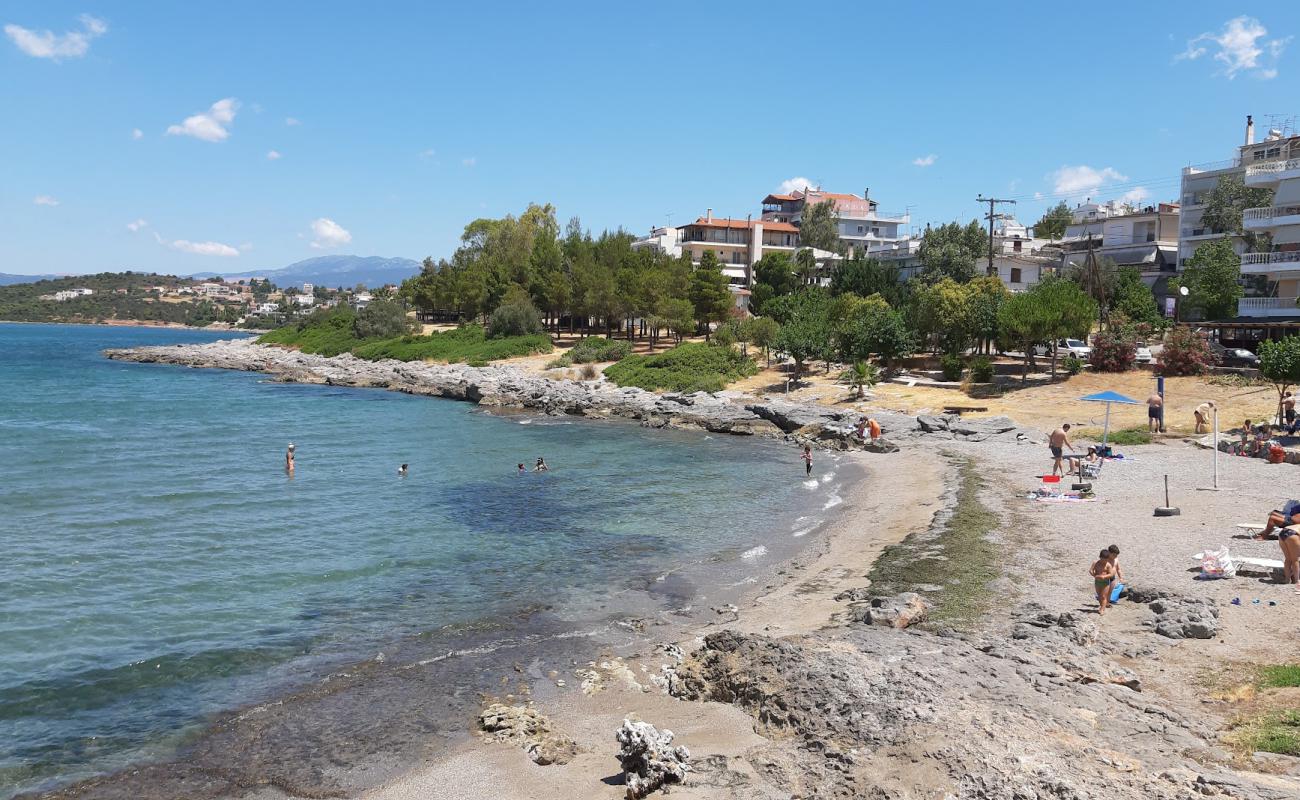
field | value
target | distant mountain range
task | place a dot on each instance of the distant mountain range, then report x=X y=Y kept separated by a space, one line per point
x=6 y=279
x=333 y=271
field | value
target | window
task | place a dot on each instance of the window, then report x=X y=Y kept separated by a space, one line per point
x=861 y=229
x=1016 y=247
x=1015 y=272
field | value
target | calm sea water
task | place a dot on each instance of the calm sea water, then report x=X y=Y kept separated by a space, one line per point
x=158 y=566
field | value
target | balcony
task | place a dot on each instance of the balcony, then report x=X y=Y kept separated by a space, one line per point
x=1256 y=219
x=1272 y=172
x=1268 y=307
x=1259 y=263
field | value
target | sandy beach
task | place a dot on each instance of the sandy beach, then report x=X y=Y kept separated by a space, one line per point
x=1046 y=552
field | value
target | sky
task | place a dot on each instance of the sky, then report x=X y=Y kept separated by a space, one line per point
x=239 y=136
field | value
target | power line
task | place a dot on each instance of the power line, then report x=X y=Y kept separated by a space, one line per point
x=992 y=215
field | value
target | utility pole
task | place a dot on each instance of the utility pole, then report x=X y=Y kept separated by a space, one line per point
x=991 y=216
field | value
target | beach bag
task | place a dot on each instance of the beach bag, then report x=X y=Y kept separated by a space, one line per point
x=1217 y=564
x=1276 y=453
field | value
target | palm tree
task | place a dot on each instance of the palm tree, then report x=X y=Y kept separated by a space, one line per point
x=862 y=375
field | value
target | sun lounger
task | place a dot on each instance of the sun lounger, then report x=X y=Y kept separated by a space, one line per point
x=1249 y=527
x=1250 y=564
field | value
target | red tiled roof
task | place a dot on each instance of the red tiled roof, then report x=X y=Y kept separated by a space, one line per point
x=780 y=198
x=724 y=222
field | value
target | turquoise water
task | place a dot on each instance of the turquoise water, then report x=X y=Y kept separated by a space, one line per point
x=160 y=567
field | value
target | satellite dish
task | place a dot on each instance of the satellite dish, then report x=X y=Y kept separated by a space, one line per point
x=1182 y=290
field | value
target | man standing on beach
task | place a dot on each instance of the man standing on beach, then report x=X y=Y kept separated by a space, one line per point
x=1057 y=440
x=1154 y=403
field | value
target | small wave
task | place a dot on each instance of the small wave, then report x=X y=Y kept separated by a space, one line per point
x=803 y=532
x=812 y=484
x=754 y=552
x=525 y=422
x=833 y=500
x=828 y=477
x=745 y=582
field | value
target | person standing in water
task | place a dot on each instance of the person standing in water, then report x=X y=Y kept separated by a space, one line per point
x=807 y=459
x=288 y=458
x=401 y=471
x=541 y=465
x=522 y=470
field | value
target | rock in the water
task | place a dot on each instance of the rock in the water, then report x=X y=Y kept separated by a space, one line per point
x=648 y=758
x=898 y=611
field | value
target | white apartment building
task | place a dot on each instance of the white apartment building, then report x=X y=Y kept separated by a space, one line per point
x=862 y=225
x=1273 y=163
x=68 y=294
x=308 y=288
x=1145 y=238
x=738 y=244
x=662 y=239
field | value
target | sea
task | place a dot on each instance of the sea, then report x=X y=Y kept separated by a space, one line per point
x=162 y=577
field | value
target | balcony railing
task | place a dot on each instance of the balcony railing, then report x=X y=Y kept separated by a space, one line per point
x=1280 y=257
x=1269 y=213
x=1267 y=306
x=1270 y=167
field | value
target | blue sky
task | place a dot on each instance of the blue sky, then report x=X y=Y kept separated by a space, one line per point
x=393 y=124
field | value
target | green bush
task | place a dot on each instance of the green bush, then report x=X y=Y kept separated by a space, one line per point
x=594 y=348
x=1072 y=365
x=951 y=366
x=519 y=318
x=691 y=367
x=981 y=370
x=327 y=332
x=1114 y=350
x=382 y=319
x=1185 y=353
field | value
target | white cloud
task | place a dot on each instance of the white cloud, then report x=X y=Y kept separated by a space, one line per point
x=272 y=155
x=44 y=200
x=136 y=133
x=328 y=234
x=425 y=155
x=924 y=161
x=210 y=126
x=469 y=162
x=199 y=248
x=291 y=121
x=797 y=184
x=47 y=44
x=1083 y=179
x=1239 y=48
x=136 y=226
x=1038 y=195
x=1135 y=196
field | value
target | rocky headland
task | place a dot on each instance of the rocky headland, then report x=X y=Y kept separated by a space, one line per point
x=508 y=387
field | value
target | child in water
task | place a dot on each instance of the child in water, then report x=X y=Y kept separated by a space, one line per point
x=521 y=468
x=541 y=465
x=807 y=459
x=401 y=471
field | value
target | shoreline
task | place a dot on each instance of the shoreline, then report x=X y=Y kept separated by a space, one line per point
x=544 y=641
x=136 y=323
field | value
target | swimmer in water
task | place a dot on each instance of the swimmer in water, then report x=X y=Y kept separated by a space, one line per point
x=401 y=471
x=288 y=458
x=541 y=465
x=522 y=471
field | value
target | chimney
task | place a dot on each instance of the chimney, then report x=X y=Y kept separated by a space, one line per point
x=1250 y=129
x=708 y=215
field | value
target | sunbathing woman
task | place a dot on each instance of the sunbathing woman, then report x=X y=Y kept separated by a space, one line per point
x=1289 y=539
x=1289 y=515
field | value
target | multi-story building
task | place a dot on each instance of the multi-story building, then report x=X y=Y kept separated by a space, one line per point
x=1272 y=164
x=662 y=239
x=862 y=225
x=738 y=245
x=1145 y=238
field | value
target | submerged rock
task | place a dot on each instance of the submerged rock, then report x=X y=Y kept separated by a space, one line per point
x=648 y=758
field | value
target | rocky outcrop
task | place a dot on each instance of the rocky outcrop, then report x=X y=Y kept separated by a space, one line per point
x=508 y=387
x=530 y=730
x=1037 y=711
x=898 y=612
x=1178 y=616
x=648 y=758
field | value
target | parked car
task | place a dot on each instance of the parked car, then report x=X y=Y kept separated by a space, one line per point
x=1144 y=355
x=1237 y=357
x=1065 y=347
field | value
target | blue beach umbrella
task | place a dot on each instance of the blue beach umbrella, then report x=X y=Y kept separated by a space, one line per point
x=1108 y=398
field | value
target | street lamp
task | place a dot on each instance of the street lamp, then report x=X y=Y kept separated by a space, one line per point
x=1182 y=290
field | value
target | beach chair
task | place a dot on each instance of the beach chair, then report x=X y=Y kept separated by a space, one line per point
x=1091 y=471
